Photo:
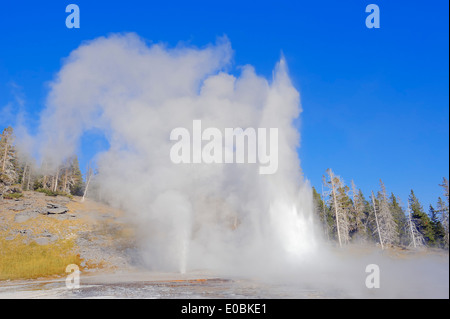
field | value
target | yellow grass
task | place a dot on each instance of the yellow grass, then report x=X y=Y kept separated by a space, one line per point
x=22 y=258
x=19 y=260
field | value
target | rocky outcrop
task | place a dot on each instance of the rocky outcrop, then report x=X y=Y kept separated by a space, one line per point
x=54 y=209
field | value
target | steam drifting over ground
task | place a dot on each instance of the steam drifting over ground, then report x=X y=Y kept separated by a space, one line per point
x=220 y=216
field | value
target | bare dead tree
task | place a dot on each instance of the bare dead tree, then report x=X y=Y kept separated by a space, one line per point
x=377 y=221
x=416 y=238
x=388 y=226
x=335 y=183
x=8 y=158
x=24 y=175
x=55 y=179
x=324 y=212
x=6 y=143
x=30 y=173
x=89 y=175
x=443 y=209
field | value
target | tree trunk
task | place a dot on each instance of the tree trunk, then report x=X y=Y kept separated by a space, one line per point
x=5 y=155
x=29 y=177
x=87 y=184
x=56 y=180
x=24 y=175
x=325 y=221
x=376 y=219
x=411 y=228
x=333 y=188
x=65 y=181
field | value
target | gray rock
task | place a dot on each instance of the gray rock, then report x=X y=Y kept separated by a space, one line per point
x=24 y=216
x=19 y=218
x=27 y=232
x=63 y=216
x=42 y=240
x=19 y=207
x=46 y=233
x=54 y=209
x=59 y=210
x=45 y=238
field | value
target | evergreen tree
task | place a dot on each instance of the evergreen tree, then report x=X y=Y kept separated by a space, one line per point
x=322 y=212
x=346 y=204
x=438 y=229
x=421 y=219
x=415 y=238
x=359 y=214
x=400 y=218
x=444 y=185
x=77 y=186
x=443 y=210
x=341 y=205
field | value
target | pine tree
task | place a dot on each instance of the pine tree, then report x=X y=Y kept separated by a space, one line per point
x=77 y=185
x=400 y=218
x=359 y=214
x=443 y=210
x=421 y=219
x=346 y=204
x=341 y=205
x=416 y=239
x=438 y=229
x=320 y=210
x=444 y=185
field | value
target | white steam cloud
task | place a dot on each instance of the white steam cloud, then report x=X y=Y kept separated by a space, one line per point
x=189 y=216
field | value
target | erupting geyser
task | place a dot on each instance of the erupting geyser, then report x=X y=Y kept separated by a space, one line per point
x=210 y=216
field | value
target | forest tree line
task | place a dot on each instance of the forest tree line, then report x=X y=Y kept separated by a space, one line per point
x=20 y=173
x=347 y=215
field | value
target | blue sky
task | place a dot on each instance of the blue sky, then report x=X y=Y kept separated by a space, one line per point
x=375 y=101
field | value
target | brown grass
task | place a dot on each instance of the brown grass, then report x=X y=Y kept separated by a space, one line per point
x=19 y=260
x=22 y=258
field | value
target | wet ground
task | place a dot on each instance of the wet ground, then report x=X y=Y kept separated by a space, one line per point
x=105 y=240
x=154 y=286
x=416 y=278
